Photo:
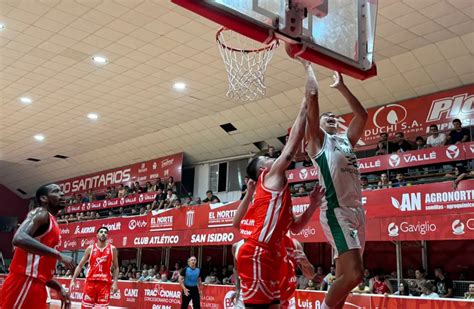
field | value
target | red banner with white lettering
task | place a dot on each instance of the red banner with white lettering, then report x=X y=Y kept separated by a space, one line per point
x=394 y=161
x=163 y=167
x=168 y=296
x=414 y=210
x=141 y=198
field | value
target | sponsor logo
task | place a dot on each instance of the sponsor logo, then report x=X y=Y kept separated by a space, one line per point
x=221 y=218
x=458 y=227
x=154 y=165
x=212 y=238
x=303 y=173
x=421 y=228
x=451 y=107
x=409 y=202
x=84 y=230
x=389 y=115
x=392 y=230
x=142 y=168
x=306 y=232
x=228 y=303
x=69 y=244
x=167 y=162
x=134 y=223
x=166 y=172
x=122 y=201
x=189 y=218
x=86 y=242
x=104 y=204
x=116 y=226
x=153 y=240
x=394 y=160
x=131 y=292
x=369 y=164
x=161 y=223
x=140 y=198
x=452 y=152
x=96 y=181
x=65 y=231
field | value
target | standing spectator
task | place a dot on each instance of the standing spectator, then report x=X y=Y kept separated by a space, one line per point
x=159 y=185
x=243 y=190
x=427 y=290
x=177 y=270
x=384 y=182
x=444 y=285
x=458 y=134
x=470 y=294
x=148 y=187
x=419 y=143
x=403 y=289
x=329 y=279
x=159 y=201
x=400 y=181
x=191 y=284
x=210 y=197
x=401 y=144
x=121 y=191
x=380 y=284
x=435 y=139
x=171 y=184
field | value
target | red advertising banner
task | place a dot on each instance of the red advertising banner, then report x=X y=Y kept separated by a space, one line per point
x=144 y=171
x=168 y=296
x=395 y=161
x=112 y=203
x=414 y=116
x=412 y=209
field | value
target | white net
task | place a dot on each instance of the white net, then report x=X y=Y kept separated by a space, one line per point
x=246 y=62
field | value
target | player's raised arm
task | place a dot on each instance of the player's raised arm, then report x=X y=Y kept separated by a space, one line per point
x=244 y=204
x=25 y=236
x=356 y=127
x=313 y=133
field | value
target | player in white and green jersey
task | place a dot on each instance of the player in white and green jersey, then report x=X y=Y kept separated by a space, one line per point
x=342 y=215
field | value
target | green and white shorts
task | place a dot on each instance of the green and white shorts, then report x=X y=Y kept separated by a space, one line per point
x=344 y=228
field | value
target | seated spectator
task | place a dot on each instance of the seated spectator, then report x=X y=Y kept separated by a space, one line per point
x=177 y=203
x=90 y=195
x=420 y=143
x=384 y=182
x=159 y=185
x=188 y=201
x=470 y=293
x=121 y=276
x=163 y=270
x=410 y=273
x=403 y=289
x=459 y=174
x=458 y=134
x=311 y=286
x=177 y=270
x=139 y=188
x=85 y=199
x=170 y=196
x=212 y=278
x=210 y=197
x=401 y=144
x=435 y=139
x=159 y=201
x=381 y=149
x=367 y=277
x=364 y=183
x=142 y=211
x=108 y=193
x=301 y=191
x=400 y=181
x=120 y=211
x=271 y=153
x=223 y=274
x=318 y=277
x=128 y=191
x=151 y=275
x=361 y=289
x=96 y=215
x=416 y=286
x=329 y=279
x=171 y=184
x=148 y=187
x=164 y=278
x=384 y=146
x=121 y=191
x=380 y=284
x=138 y=276
x=427 y=290
x=198 y=201
x=444 y=286
x=243 y=190
x=111 y=214
x=132 y=189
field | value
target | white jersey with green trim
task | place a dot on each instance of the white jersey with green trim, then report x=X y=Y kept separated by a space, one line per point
x=338 y=172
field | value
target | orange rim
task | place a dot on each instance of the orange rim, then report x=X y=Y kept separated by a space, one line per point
x=273 y=43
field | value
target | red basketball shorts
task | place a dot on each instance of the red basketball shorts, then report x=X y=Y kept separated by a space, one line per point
x=96 y=294
x=259 y=271
x=20 y=291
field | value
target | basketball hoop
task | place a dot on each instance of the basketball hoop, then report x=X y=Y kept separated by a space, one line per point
x=245 y=65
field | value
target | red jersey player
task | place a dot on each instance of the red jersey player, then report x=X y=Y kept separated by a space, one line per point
x=102 y=258
x=270 y=216
x=35 y=257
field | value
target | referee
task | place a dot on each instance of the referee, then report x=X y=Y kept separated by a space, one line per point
x=190 y=281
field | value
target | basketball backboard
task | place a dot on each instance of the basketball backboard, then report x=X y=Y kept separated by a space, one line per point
x=338 y=34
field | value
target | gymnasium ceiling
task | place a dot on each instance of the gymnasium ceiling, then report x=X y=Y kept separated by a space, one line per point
x=422 y=46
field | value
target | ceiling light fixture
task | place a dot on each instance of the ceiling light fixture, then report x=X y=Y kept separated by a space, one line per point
x=39 y=137
x=100 y=60
x=2 y=26
x=26 y=100
x=179 y=86
x=92 y=116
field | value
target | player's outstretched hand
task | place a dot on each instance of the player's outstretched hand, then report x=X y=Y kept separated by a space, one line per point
x=338 y=81
x=186 y=291
x=251 y=186
x=114 y=288
x=316 y=195
x=67 y=261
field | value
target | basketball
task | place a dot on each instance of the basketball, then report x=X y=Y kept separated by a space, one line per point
x=290 y=49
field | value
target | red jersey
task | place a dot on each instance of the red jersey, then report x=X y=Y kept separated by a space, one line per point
x=380 y=287
x=37 y=266
x=100 y=263
x=269 y=217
